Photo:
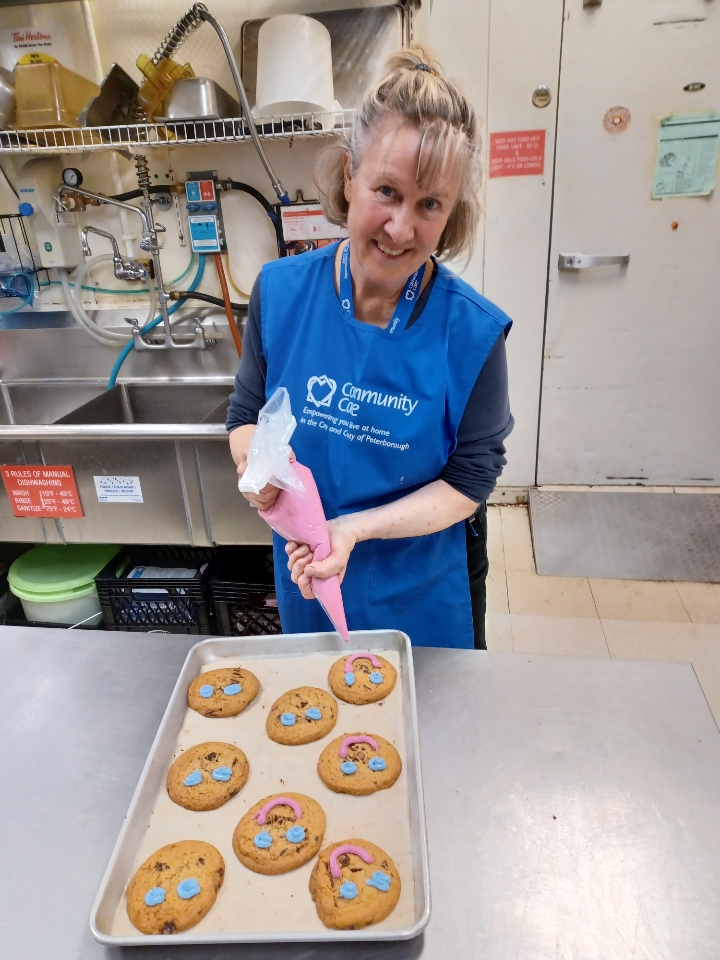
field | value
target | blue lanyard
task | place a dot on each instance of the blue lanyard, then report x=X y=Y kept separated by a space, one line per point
x=403 y=308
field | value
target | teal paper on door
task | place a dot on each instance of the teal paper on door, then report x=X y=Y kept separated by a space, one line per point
x=687 y=152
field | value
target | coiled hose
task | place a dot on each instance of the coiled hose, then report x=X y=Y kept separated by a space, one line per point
x=74 y=302
x=26 y=297
x=151 y=326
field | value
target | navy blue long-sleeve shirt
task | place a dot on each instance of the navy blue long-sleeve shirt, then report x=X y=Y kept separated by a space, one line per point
x=479 y=457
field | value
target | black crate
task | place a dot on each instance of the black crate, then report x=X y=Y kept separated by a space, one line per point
x=243 y=593
x=171 y=605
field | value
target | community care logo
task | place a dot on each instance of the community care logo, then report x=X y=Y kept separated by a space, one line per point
x=321 y=390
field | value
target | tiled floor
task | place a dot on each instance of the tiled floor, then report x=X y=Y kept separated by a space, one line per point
x=634 y=619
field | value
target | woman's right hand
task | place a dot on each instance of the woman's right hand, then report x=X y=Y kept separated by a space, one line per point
x=263 y=500
x=240 y=440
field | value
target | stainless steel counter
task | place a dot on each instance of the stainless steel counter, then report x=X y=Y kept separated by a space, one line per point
x=573 y=804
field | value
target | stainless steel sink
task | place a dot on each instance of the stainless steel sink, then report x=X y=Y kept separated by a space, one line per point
x=47 y=401
x=170 y=435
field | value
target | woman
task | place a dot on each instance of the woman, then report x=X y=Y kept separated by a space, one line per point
x=396 y=371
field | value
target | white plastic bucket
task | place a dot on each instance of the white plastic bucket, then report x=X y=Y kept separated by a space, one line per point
x=294 y=67
x=77 y=610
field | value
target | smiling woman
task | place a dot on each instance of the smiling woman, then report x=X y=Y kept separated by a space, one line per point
x=376 y=331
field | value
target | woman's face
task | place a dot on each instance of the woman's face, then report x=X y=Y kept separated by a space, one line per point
x=393 y=223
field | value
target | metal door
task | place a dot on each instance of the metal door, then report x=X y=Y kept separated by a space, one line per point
x=630 y=390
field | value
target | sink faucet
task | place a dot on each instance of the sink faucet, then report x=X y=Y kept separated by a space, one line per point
x=124 y=269
x=150 y=243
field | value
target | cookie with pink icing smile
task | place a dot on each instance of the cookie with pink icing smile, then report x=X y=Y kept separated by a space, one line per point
x=279 y=833
x=359 y=764
x=354 y=883
x=362 y=677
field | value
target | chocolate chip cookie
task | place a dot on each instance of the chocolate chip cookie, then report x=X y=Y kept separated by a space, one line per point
x=175 y=887
x=301 y=716
x=359 y=764
x=223 y=693
x=207 y=776
x=279 y=833
x=354 y=883
x=362 y=678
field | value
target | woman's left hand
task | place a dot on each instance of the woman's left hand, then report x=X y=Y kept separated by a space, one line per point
x=300 y=559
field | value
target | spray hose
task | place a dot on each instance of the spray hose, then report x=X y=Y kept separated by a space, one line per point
x=187 y=25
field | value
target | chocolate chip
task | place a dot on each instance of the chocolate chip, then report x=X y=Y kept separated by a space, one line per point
x=161 y=866
x=169 y=927
x=201 y=860
x=211 y=756
x=344 y=860
x=235 y=761
x=303 y=703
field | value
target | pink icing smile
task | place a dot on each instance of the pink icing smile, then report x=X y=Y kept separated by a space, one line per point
x=343 y=751
x=346 y=848
x=361 y=656
x=261 y=815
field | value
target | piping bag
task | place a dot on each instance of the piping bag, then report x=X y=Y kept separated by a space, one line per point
x=298 y=513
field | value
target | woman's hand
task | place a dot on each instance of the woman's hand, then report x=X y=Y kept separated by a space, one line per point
x=343 y=538
x=240 y=440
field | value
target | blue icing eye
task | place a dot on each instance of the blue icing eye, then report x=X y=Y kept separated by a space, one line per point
x=312 y=713
x=347 y=766
x=262 y=840
x=222 y=773
x=377 y=763
x=379 y=880
x=188 y=888
x=295 y=834
x=154 y=897
x=376 y=677
x=232 y=688
x=206 y=690
x=193 y=779
x=288 y=719
x=349 y=679
x=348 y=891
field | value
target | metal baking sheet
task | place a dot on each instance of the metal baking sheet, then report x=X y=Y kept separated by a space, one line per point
x=394 y=818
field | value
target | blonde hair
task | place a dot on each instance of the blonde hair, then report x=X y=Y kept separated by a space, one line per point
x=415 y=90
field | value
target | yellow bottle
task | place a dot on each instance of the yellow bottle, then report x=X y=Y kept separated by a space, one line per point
x=159 y=80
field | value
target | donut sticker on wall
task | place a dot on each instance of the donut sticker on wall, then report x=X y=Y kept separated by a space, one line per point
x=616 y=119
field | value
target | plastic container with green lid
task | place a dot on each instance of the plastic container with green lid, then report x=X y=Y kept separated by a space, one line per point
x=56 y=582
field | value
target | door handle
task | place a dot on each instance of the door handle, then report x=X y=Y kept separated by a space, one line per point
x=583 y=261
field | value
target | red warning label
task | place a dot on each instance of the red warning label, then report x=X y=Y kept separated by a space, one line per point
x=37 y=491
x=519 y=153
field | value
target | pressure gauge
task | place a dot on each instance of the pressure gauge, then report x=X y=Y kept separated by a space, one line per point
x=72 y=177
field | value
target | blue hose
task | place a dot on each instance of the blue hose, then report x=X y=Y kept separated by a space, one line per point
x=153 y=323
x=26 y=297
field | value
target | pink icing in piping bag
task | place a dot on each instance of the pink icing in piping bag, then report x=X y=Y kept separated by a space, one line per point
x=261 y=815
x=343 y=751
x=346 y=848
x=361 y=656
x=300 y=517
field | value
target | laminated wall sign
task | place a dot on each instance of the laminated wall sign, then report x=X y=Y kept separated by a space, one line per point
x=42 y=491
x=687 y=152
x=517 y=153
x=18 y=41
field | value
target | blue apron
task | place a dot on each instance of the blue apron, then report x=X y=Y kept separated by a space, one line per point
x=377 y=415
